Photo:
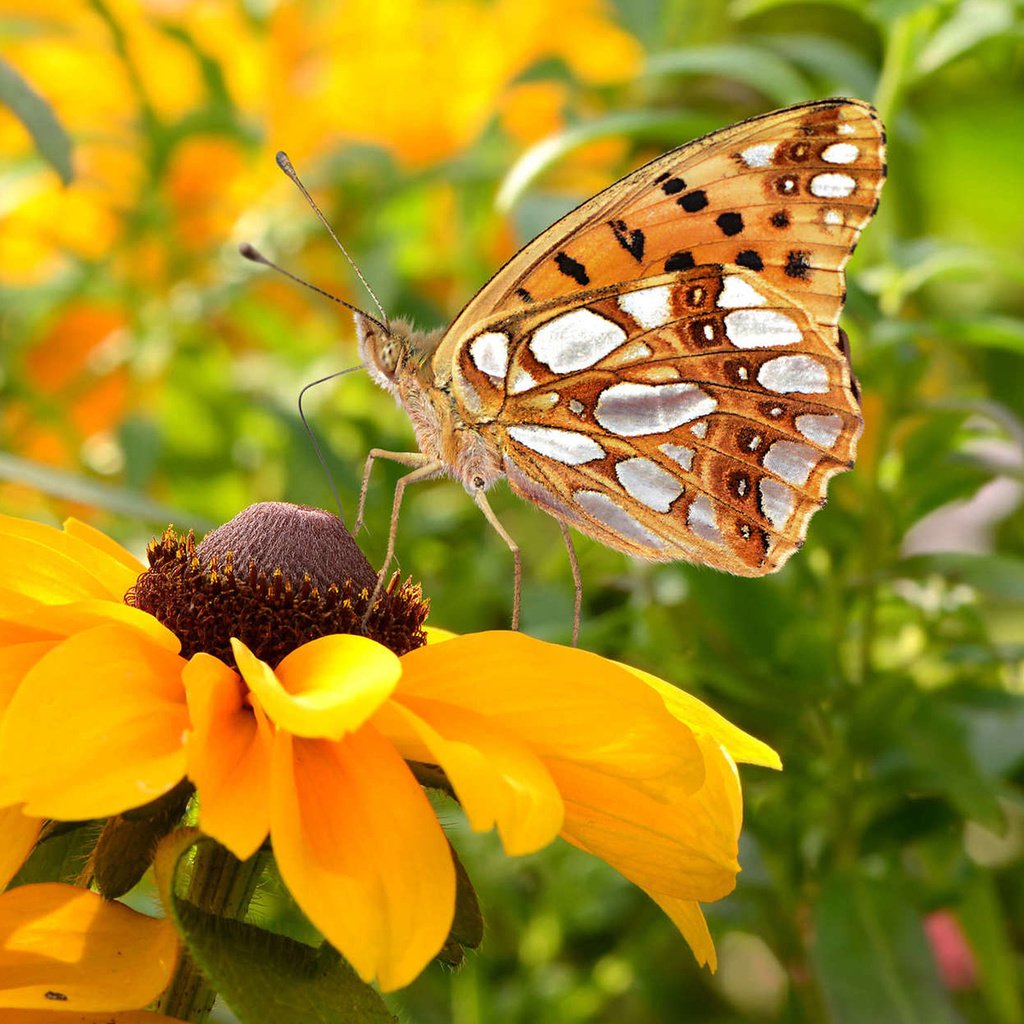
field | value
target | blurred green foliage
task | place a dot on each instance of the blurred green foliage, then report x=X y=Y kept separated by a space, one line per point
x=882 y=869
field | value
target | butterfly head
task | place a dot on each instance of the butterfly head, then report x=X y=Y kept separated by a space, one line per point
x=391 y=352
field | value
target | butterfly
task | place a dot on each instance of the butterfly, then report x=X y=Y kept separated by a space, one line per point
x=662 y=369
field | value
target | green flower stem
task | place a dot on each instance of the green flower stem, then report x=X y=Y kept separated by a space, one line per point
x=220 y=884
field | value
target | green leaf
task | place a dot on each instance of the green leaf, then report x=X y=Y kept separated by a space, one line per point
x=996 y=331
x=75 y=487
x=833 y=60
x=263 y=977
x=635 y=124
x=767 y=72
x=467 y=931
x=1000 y=576
x=872 y=958
x=983 y=919
x=61 y=853
x=936 y=742
x=972 y=22
x=37 y=116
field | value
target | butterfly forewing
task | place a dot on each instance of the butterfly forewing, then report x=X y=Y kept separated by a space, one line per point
x=785 y=195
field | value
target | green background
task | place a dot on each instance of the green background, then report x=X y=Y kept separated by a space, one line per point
x=884 y=663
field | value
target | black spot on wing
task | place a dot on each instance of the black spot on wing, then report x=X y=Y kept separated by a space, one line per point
x=730 y=223
x=631 y=241
x=523 y=294
x=798 y=264
x=693 y=201
x=679 y=261
x=572 y=268
x=672 y=186
x=780 y=219
x=750 y=259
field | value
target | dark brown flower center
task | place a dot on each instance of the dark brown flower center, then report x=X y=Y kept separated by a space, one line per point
x=275 y=577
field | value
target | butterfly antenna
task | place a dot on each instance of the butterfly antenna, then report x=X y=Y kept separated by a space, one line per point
x=313 y=440
x=286 y=165
x=251 y=253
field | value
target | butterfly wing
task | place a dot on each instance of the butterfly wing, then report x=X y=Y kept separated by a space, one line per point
x=662 y=368
x=785 y=194
x=694 y=415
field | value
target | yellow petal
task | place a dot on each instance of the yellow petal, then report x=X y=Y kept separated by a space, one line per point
x=83 y=531
x=56 y=1017
x=95 y=727
x=15 y=662
x=95 y=954
x=698 y=716
x=53 y=566
x=19 y=834
x=37 y=573
x=687 y=916
x=562 y=701
x=436 y=635
x=681 y=846
x=325 y=688
x=229 y=753
x=360 y=849
x=61 y=620
x=499 y=781
x=13 y=601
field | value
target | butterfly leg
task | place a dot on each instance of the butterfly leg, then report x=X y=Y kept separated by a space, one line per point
x=426 y=469
x=414 y=459
x=517 y=579
x=577 y=581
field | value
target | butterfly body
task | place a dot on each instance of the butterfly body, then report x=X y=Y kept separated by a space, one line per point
x=663 y=369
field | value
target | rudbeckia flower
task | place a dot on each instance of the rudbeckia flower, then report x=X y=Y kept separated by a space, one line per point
x=300 y=714
x=65 y=950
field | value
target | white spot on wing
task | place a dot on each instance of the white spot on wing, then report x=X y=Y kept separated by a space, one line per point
x=832 y=186
x=791 y=460
x=612 y=515
x=736 y=292
x=700 y=429
x=840 y=153
x=576 y=340
x=489 y=352
x=633 y=352
x=701 y=518
x=821 y=430
x=631 y=410
x=833 y=217
x=789 y=374
x=649 y=307
x=648 y=483
x=846 y=129
x=776 y=502
x=521 y=381
x=678 y=453
x=565 y=446
x=761 y=328
x=759 y=155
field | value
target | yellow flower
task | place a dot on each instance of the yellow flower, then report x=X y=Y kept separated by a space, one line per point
x=65 y=950
x=314 y=748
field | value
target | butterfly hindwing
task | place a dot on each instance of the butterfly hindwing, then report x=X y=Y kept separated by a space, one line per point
x=694 y=415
